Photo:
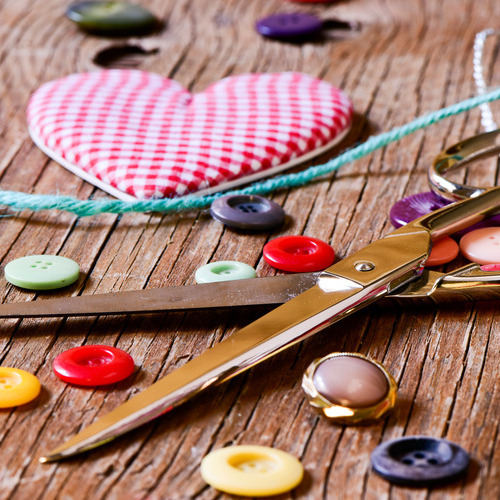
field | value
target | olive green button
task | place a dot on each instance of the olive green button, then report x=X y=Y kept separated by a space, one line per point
x=224 y=270
x=108 y=17
x=42 y=272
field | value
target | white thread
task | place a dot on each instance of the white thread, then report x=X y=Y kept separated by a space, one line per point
x=487 y=120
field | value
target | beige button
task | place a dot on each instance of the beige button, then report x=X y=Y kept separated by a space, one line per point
x=350 y=381
x=349 y=388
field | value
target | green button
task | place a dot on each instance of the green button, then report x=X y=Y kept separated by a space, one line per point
x=42 y=272
x=107 y=17
x=225 y=270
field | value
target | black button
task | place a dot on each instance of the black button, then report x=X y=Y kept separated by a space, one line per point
x=420 y=461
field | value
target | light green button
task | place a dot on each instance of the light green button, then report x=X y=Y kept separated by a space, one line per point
x=42 y=272
x=225 y=270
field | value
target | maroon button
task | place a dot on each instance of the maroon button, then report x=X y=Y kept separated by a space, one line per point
x=93 y=365
x=298 y=254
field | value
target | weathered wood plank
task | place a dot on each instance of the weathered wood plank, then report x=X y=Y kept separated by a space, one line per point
x=408 y=58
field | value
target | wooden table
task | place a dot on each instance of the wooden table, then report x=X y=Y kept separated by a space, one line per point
x=406 y=59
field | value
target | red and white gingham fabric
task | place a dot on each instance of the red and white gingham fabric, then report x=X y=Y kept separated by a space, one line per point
x=139 y=135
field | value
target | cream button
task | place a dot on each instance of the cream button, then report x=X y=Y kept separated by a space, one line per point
x=253 y=471
x=482 y=245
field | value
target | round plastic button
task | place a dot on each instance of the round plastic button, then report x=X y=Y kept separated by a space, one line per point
x=111 y=17
x=247 y=212
x=289 y=25
x=413 y=207
x=443 y=251
x=17 y=387
x=254 y=471
x=298 y=254
x=482 y=245
x=224 y=270
x=42 y=272
x=93 y=365
x=420 y=461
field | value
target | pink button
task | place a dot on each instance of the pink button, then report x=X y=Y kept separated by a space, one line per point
x=482 y=245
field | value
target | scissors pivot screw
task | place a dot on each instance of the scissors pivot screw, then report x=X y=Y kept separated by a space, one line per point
x=364 y=266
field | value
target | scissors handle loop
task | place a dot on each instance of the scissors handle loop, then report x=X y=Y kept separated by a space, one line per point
x=460 y=155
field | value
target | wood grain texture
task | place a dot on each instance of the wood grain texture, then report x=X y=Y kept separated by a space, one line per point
x=407 y=58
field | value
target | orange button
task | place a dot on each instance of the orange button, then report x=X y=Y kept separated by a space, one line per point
x=17 y=387
x=443 y=251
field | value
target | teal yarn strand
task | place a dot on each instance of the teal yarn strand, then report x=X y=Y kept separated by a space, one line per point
x=82 y=208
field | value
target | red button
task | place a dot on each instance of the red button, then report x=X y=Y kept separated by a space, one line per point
x=298 y=254
x=443 y=251
x=93 y=365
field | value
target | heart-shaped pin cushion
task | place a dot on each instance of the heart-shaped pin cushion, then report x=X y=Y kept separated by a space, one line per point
x=139 y=135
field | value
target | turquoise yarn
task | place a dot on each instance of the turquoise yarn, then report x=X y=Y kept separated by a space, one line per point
x=36 y=202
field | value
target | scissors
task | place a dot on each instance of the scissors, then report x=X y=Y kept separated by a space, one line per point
x=390 y=267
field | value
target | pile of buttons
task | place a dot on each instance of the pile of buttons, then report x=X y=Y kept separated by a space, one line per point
x=479 y=243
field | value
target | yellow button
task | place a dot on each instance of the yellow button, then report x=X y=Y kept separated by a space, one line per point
x=251 y=470
x=17 y=387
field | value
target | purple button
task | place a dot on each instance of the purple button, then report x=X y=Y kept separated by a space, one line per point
x=289 y=25
x=247 y=212
x=420 y=461
x=494 y=220
x=413 y=207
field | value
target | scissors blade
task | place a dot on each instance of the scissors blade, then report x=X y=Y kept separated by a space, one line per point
x=271 y=290
x=466 y=283
x=342 y=289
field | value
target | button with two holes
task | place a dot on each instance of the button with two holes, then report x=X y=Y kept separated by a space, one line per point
x=482 y=245
x=420 y=461
x=42 y=272
x=247 y=212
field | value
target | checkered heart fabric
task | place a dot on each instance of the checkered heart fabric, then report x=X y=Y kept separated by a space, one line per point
x=138 y=135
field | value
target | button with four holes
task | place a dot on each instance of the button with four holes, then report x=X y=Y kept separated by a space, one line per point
x=93 y=365
x=224 y=270
x=17 y=387
x=111 y=17
x=286 y=26
x=420 y=461
x=298 y=254
x=247 y=212
x=253 y=471
x=482 y=245
x=42 y=272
